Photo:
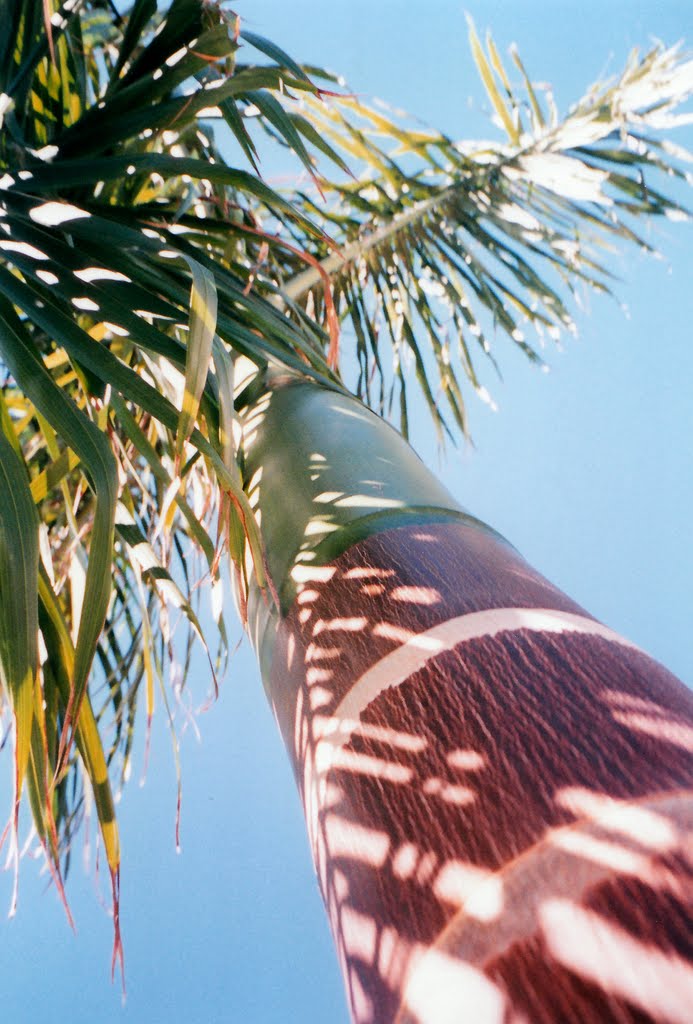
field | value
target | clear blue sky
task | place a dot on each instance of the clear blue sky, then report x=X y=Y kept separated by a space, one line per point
x=588 y=470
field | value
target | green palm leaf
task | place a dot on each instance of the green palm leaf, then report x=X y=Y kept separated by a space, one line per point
x=457 y=239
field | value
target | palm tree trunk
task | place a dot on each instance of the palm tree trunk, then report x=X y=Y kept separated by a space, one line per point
x=494 y=782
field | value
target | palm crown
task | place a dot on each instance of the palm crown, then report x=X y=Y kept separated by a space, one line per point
x=139 y=263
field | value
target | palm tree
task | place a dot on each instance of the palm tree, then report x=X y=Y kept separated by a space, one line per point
x=171 y=333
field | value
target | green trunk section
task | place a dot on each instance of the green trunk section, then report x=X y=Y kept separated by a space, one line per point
x=323 y=472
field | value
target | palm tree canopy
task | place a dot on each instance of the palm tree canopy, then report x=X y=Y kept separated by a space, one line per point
x=143 y=253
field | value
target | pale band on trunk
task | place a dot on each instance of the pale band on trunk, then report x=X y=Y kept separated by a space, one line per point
x=335 y=731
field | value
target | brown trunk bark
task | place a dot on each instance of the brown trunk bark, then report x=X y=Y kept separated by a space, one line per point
x=494 y=786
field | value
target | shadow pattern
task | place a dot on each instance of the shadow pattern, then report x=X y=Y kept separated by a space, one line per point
x=501 y=835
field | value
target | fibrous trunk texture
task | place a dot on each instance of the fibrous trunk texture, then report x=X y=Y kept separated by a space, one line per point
x=495 y=784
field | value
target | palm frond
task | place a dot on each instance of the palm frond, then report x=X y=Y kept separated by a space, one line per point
x=119 y=235
x=451 y=240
